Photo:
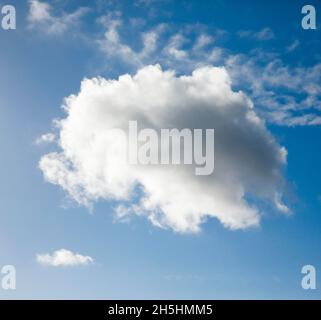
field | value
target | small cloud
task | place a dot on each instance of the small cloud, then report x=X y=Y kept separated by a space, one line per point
x=202 y=41
x=173 y=49
x=112 y=45
x=215 y=55
x=62 y=258
x=293 y=46
x=39 y=11
x=278 y=201
x=264 y=34
x=40 y=15
x=46 y=139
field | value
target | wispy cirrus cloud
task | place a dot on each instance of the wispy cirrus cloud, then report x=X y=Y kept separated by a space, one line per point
x=262 y=35
x=41 y=16
x=112 y=44
x=283 y=95
x=294 y=45
x=64 y=258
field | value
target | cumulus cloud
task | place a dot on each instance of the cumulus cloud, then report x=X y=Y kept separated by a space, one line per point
x=41 y=16
x=63 y=257
x=90 y=165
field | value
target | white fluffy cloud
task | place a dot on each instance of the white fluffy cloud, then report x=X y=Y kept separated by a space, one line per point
x=248 y=160
x=63 y=257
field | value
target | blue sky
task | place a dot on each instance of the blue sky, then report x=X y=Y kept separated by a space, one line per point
x=40 y=66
